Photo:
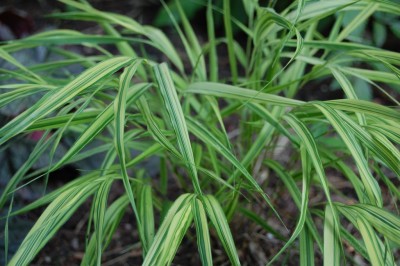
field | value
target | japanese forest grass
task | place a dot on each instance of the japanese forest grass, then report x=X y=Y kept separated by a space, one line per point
x=181 y=111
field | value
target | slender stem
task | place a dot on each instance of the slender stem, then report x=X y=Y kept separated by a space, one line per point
x=229 y=37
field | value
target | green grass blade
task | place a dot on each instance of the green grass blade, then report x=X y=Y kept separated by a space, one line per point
x=177 y=119
x=353 y=241
x=267 y=116
x=48 y=198
x=20 y=92
x=175 y=222
x=155 y=129
x=145 y=206
x=311 y=147
x=364 y=107
x=233 y=92
x=112 y=218
x=119 y=118
x=7 y=57
x=385 y=222
x=200 y=131
x=60 y=120
x=377 y=250
x=213 y=60
x=265 y=28
x=55 y=215
x=156 y=36
x=218 y=219
x=124 y=47
x=291 y=186
x=229 y=37
x=178 y=227
x=197 y=53
x=377 y=143
x=374 y=75
x=371 y=242
x=100 y=205
x=306 y=170
x=42 y=145
x=98 y=125
x=306 y=248
x=57 y=98
x=357 y=20
x=202 y=232
x=332 y=250
x=390 y=131
x=370 y=184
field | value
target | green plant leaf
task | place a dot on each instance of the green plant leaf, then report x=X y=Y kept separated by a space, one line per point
x=55 y=215
x=146 y=213
x=112 y=218
x=177 y=119
x=202 y=232
x=119 y=118
x=171 y=232
x=56 y=98
x=218 y=219
x=332 y=250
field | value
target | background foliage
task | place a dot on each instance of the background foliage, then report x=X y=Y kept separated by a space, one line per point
x=226 y=146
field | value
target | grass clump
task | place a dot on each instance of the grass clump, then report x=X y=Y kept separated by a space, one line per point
x=216 y=136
